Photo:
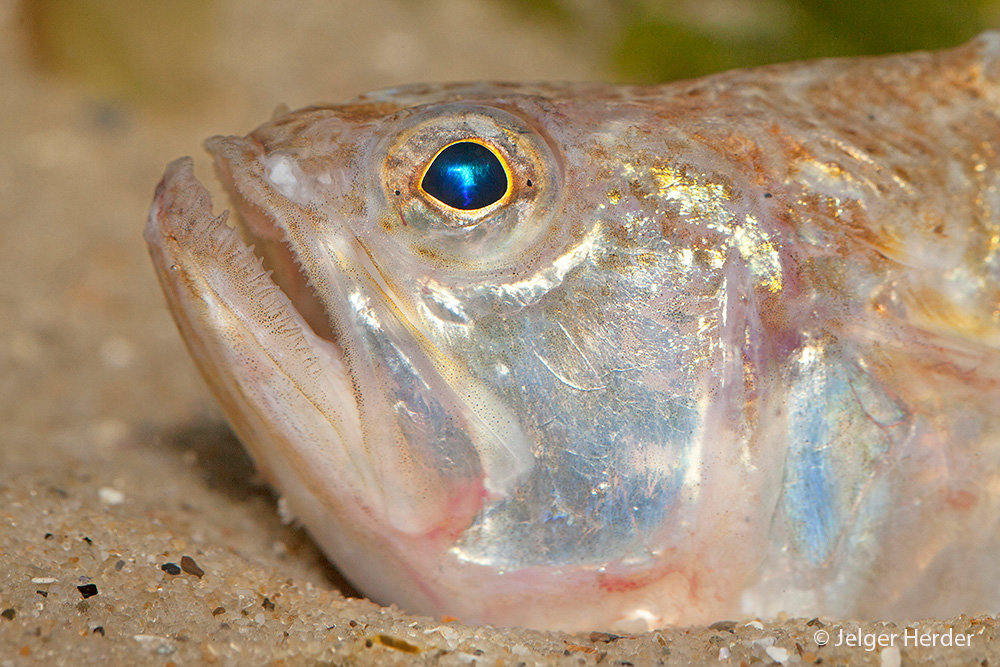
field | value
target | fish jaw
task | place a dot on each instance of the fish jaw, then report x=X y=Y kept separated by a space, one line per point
x=287 y=394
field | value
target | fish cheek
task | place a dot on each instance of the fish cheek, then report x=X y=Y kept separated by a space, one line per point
x=503 y=241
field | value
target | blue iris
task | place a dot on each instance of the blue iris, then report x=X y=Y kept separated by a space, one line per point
x=466 y=176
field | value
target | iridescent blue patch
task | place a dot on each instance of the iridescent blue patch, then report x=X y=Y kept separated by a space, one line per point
x=466 y=175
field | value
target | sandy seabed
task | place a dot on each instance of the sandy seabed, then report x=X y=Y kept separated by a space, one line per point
x=133 y=530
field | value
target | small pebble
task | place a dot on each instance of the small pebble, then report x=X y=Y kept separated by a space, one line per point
x=191 y=567
x=777 y=653
x=395 y=643
x=87 y=590
x=110 y=496
x=171 y=568
x=9 y=614
x=723 y=626
x=445 y=631
x=43 y=580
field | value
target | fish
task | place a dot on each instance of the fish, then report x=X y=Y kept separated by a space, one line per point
x=582 y=356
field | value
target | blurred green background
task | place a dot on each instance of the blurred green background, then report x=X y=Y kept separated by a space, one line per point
x=661 y=40
x=777 y=30
x=149 y=49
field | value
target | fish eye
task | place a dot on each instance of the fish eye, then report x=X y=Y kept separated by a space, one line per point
x=466 y=175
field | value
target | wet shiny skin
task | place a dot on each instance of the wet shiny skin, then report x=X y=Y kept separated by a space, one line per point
x=720 y=347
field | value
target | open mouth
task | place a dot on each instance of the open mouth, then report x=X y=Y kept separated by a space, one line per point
x=218 y=286
x=400 y=446
x=249 y=337
x=284 y=387
x=312 y=258
x=268 y=242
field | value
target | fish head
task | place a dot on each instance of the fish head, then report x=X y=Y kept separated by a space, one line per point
x=492 y=347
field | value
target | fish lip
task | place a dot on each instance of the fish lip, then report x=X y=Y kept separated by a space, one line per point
x=255 y=198
x=321 y=266
x=264 y=234
x=232 y=316
x=181 y=231
x=247 y=339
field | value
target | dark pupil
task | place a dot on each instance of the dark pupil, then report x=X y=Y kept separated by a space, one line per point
x=466 y=175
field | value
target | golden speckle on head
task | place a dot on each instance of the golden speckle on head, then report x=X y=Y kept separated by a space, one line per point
x=707 y=202
x=760 y=253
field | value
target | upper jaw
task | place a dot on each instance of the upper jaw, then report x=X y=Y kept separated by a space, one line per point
x=344 y=290
x=286 y=392
x=260 y=228
x=324 y=431
x=292 y=398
